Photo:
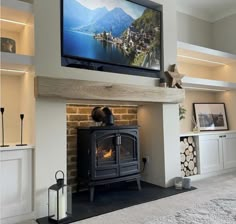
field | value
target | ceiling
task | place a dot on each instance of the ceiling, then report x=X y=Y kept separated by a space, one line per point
x=209 y=10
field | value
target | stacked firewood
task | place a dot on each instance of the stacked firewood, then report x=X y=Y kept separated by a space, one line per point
x=188 y=156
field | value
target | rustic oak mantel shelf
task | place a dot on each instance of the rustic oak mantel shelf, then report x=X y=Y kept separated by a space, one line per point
x=73 y=89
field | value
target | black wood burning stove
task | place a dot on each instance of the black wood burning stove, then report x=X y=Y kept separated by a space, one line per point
x=107 y=154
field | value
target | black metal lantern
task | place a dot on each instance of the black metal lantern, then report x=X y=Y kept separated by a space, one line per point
x=59 y=200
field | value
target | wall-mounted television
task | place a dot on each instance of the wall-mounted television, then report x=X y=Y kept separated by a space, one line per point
x=121 y=36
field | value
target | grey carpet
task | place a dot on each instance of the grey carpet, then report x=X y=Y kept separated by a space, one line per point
x=217 y=211
x=214 y=202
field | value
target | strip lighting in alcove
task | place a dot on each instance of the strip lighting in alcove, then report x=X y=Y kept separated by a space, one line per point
x=199 y=59
x=12 y=70
x=204 y=89
x=12 y=21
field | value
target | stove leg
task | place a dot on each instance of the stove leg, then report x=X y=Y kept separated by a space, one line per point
x=92 y=189
x=139 y=184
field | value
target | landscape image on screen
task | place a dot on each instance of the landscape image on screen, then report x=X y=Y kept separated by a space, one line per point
x=112 y=31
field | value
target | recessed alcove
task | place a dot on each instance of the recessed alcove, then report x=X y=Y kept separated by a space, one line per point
x=79 y=115
x=154 y=120
x=157 y=115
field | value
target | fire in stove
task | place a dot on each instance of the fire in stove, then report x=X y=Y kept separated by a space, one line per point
x=104 y=154
x=108 y=154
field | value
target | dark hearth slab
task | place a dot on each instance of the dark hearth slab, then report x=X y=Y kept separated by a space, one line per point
x=114 y=197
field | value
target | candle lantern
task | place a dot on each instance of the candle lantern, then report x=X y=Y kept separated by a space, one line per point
x=59 y=200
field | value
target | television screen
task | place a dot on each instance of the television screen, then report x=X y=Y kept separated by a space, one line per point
x=117 y=32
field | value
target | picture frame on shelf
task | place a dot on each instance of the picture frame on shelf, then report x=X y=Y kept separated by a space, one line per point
x=210 y=116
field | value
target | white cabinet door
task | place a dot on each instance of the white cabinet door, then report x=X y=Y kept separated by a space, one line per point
x=210 y=152
x=16 y=182
x=229 y=150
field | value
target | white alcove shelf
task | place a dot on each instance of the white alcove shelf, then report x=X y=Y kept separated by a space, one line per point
x=194 y=54
x=208 y=58
x=207 y=84
x=10 y=61
x=17 y=23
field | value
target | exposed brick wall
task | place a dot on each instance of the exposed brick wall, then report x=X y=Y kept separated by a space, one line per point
x=80 y=115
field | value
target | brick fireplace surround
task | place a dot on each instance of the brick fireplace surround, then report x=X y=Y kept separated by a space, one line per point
x=80 y=115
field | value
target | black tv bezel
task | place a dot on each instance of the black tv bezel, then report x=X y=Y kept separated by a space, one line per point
x=97 y=65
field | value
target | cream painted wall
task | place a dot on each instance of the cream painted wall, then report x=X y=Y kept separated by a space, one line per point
x=150 y=120
x=171 y=136
x=219 y=35
x=27 y=107
x=50 y=115
x=193 y=30
x=50 y=152
x=17 y=97
x=224 y=34
x=191 y=97
x=228 y=98
x=159 y=133
x=10 y=100
x=197 y=71
x=226 y=73
x=26 y=38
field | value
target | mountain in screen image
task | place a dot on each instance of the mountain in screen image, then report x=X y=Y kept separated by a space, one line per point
x=77 y=15
x=82 y=19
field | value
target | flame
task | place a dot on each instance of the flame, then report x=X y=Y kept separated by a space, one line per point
x=108 y=154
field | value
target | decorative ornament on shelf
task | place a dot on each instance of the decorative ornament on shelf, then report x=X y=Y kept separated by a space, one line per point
x=7 y=45
x=3 y=145
x=174 y=77
x=21 y=131
x=182 y=112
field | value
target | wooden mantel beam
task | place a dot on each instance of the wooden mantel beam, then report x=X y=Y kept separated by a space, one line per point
x=73 y=89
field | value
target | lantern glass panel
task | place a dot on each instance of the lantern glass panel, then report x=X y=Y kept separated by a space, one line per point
x=60 y=203
x=52 y=207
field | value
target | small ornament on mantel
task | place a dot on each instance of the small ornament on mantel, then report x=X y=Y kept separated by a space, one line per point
x=174 y=77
